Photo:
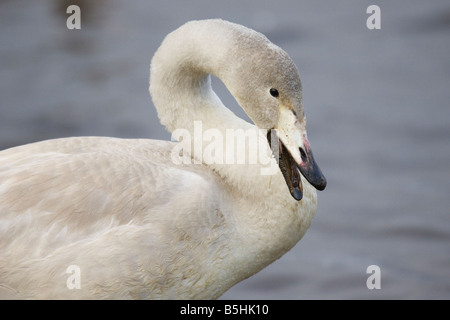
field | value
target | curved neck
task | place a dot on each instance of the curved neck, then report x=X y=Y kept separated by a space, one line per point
x=180 y=84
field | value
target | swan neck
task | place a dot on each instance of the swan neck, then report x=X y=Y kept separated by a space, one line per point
x=180 y=83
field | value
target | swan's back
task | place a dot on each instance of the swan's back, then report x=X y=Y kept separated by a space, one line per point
x=87 y=201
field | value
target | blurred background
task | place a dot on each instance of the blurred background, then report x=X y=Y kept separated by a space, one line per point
x=377 y=103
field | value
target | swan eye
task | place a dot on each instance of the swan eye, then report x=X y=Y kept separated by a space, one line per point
x=274 y=92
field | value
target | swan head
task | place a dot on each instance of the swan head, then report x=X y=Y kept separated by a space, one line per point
x=266 y=83
x=260 y=75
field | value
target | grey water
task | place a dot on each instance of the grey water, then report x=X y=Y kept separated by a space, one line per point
x=377 y=103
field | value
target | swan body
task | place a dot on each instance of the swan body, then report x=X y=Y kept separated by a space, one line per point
x=136 y=224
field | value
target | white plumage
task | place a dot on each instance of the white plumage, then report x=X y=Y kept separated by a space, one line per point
x=135 y=223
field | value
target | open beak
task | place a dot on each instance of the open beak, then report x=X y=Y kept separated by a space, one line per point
x=295 y=156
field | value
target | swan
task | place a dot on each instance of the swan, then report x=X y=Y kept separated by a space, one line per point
x=110 y=218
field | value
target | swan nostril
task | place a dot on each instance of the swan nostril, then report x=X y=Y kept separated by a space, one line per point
x=302 y=154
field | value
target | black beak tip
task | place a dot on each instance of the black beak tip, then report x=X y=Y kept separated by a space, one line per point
x=314 y=176
x=322 y=183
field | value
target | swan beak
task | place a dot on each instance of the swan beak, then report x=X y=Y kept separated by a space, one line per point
x=309 y=168
x=295 y=155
